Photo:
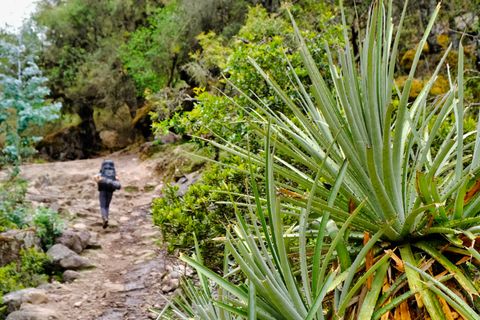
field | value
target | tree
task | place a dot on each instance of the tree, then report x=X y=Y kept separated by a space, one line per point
x=23 y=103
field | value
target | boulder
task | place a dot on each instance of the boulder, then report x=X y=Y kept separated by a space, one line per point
x=66 y=258
x=76 y=240
x=12 y=241
x=66 y=144
x=33 y=312
x=15 y=299
x=114 y=126
x=70 y=275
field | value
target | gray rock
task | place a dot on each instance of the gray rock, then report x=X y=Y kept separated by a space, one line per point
x=76 y=240
x=66 y=258
x=75 y=262
x=170 y=285
x=70 y=275
x=33 y=312
x=12 y=241
x=466 y=21
x=15 y=299
x=185 y=182
x=170 y=138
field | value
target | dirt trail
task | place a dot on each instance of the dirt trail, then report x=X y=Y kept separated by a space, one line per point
x=129 y=265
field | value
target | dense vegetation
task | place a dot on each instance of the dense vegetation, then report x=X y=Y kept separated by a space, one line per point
x=342 y=172
x=24 y=109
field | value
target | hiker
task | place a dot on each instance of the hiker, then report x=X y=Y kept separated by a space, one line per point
x=107 y=182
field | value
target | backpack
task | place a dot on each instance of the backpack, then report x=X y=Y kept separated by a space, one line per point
x=109 y=181
x=108 y=170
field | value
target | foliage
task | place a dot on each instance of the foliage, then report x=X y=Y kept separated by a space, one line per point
x=150 y=54
x=266 y=39
x=154 y=52
x=414 y=205
x=48 y=225
x=81 y=56
x=13 y=212
x=22 y=102
x=200 y=210
x=221 y=116
x=211 y=115
x=30 y=271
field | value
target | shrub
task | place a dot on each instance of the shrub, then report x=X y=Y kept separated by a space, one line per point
x=48 y=226
x=30 y=271
x=13 y=211
x=201 y=211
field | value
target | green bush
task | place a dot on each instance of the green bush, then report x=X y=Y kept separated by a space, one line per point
x=13 y=211
x=201 y=210
x=48 y=225
x=30 y=271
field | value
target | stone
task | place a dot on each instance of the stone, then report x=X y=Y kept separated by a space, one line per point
x=76 y=240
x=93 y=242
x=12 y=241
x=70 y=275
x=66 y=258
x=75 y=262
x=65 y=144
x=466 y=21
x=170 y=285
x=169 y=138
x=80 y=226
x=114 y=126
x=184 y=182
x=114 y=287
x=33 y=312
x=15 y=299
x=109 y=138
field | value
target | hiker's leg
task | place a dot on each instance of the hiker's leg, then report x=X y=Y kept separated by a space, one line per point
x=104 y=203
x=108 y=200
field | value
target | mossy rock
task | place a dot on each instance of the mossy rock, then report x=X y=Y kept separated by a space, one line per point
x=64 y=144
x=114 y=126
x=66 y=120
x=110 y=119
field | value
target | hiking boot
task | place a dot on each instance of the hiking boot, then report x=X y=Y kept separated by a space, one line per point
x=105 y=223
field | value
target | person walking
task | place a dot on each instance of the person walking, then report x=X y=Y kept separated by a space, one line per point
x=107 y=182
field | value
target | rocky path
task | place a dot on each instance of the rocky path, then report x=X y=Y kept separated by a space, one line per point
x=131 y=273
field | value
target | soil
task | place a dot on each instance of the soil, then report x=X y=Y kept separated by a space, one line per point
x=129 y=264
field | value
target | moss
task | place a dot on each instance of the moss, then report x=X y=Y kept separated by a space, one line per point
x=66 y=121
x=131 y=189
x=452 y=59
x=109 y=119
x=417 y=86
x=149 y=188
x=440 y=86
x=443 y=40
x=415 y=89
x=407 y=59
x=142 y=113
x=426 y=48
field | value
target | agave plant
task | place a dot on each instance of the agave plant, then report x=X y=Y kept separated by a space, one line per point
x=360 y=157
